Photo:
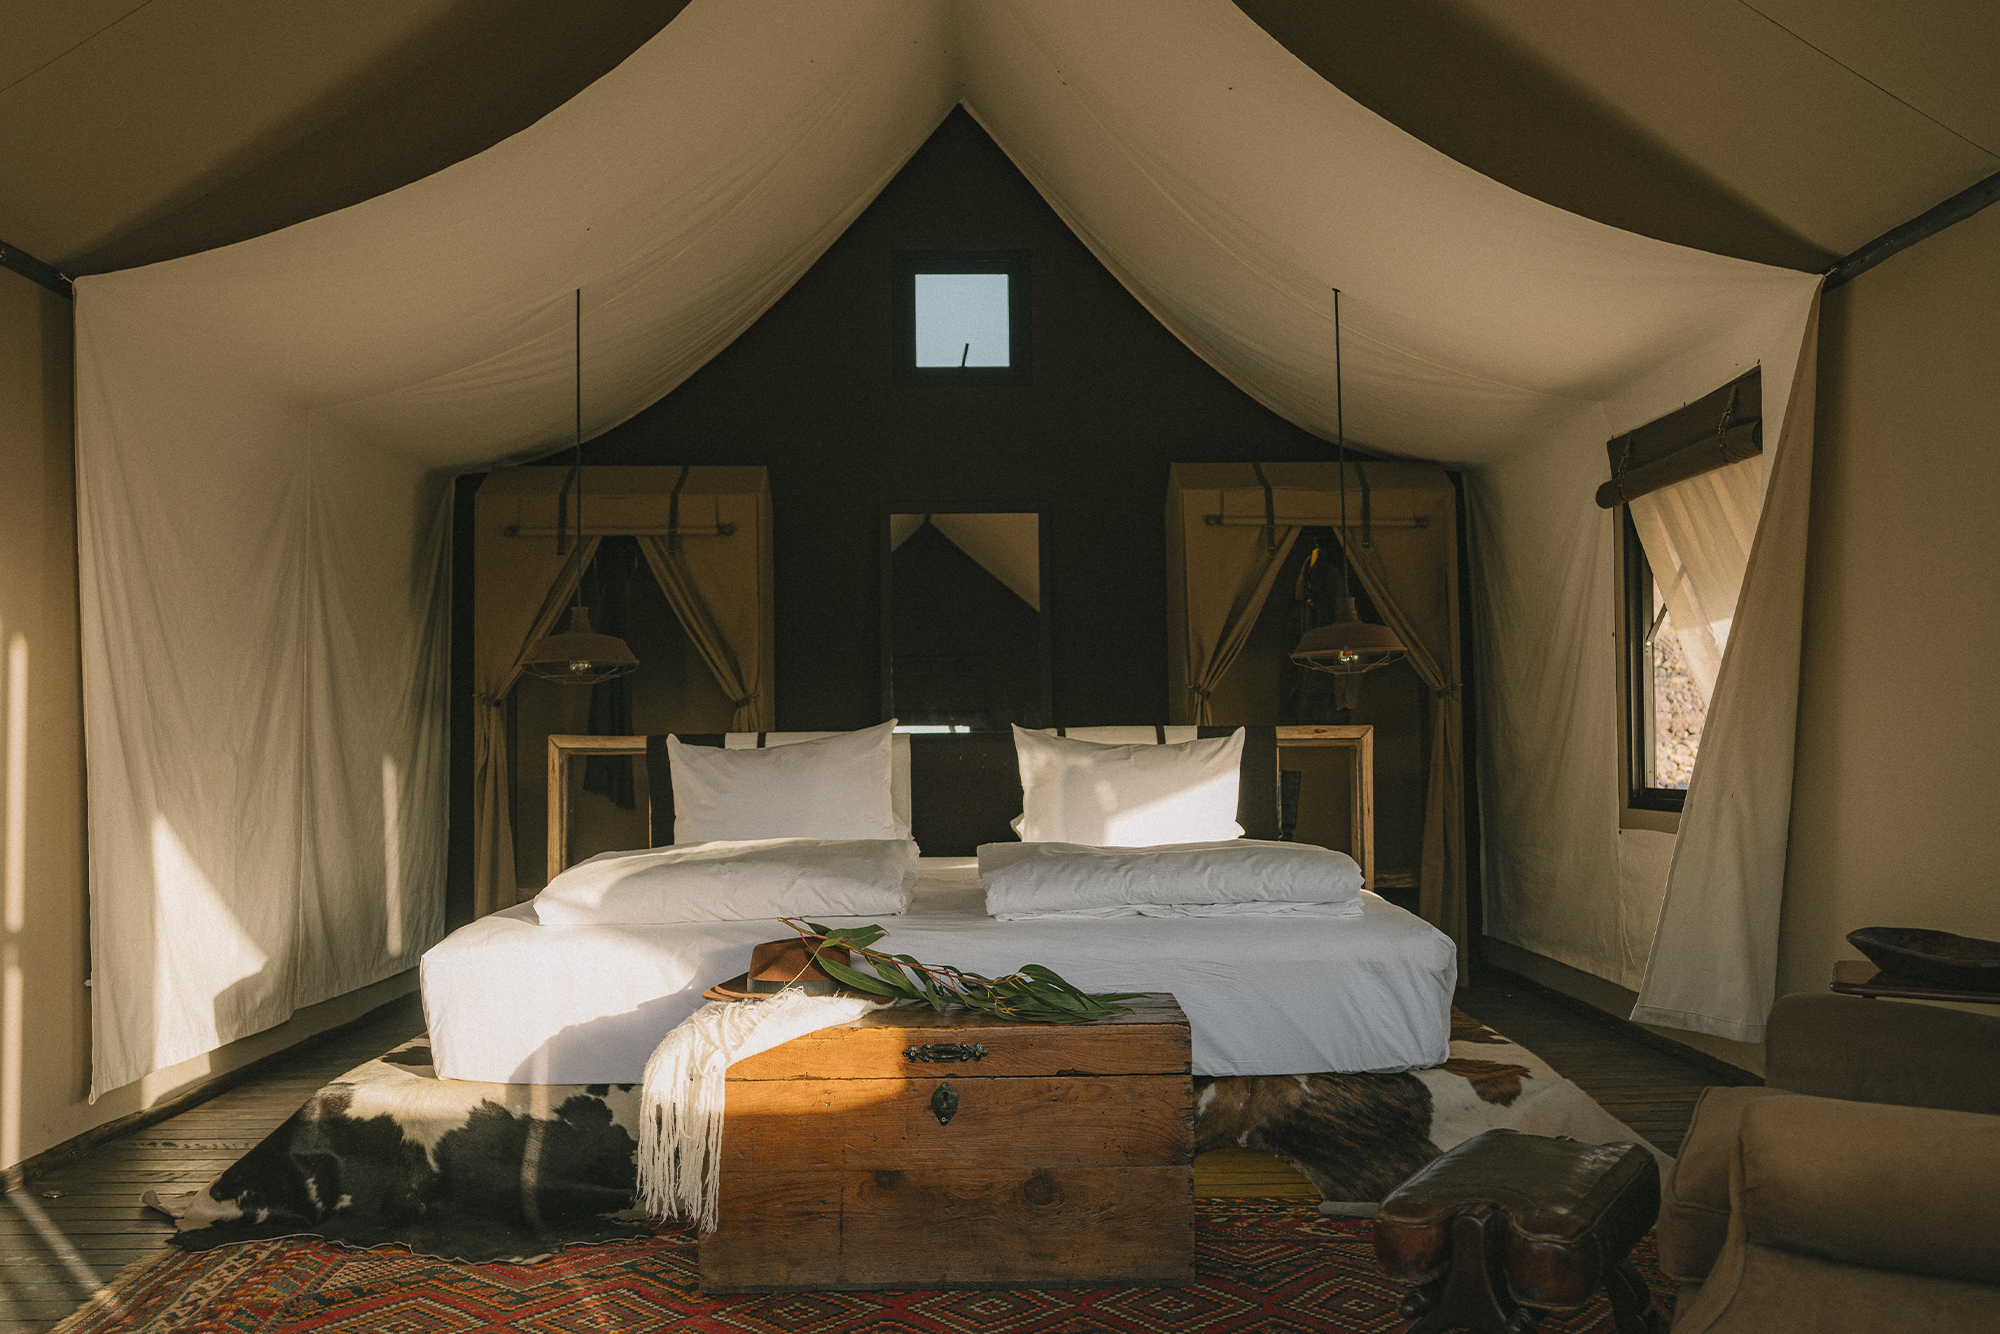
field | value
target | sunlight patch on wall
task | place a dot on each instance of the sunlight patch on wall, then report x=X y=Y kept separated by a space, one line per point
x=195 y=927
x=13 y=1015
x=392 y=857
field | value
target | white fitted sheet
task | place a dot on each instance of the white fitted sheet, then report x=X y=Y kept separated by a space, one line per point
x=512 y=1001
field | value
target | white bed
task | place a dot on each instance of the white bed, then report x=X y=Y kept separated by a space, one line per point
x=510 y=1000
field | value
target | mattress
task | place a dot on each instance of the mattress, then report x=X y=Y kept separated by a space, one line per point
x=512 y=1001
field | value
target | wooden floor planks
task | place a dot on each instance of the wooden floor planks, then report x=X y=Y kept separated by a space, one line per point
x=73 y=1228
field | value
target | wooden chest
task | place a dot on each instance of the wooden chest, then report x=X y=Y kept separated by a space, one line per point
x=920 y=1149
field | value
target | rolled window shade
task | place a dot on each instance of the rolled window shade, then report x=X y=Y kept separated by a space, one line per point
x=1714 y=431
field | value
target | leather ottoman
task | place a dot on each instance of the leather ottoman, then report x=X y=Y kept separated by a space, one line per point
x=1506 y=1222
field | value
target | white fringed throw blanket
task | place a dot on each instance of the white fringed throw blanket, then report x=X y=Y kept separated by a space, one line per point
x=680 y=1111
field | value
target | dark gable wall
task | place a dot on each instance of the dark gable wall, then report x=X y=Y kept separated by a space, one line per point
x=809 y=392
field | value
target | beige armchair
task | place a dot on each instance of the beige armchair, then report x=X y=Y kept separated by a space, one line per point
x=1858 y=1190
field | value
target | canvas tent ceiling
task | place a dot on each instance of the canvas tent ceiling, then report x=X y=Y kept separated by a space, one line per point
x=143 y=133
x=1229 y=188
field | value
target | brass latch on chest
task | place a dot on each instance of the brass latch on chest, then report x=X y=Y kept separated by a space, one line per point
x=945 y=1053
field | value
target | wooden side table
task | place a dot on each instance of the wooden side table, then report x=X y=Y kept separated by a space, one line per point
x=1859 y=977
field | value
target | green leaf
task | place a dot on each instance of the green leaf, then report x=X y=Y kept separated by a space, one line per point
x=860 y=981
x=1042 y=974
x=1035 y=994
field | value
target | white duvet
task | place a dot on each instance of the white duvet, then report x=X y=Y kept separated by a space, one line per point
x=510 y=1000
x=1238 y=877
x=734 y=880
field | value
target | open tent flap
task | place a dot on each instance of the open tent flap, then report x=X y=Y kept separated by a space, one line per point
x=1007 y=545
x=431 y=330
x=706 y=537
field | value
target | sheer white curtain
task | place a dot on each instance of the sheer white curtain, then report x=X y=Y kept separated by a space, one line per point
x=1697 y=536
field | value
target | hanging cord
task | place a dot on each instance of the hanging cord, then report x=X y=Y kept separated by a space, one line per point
x=1340 y=443
x=674 y=510
x=1624 y=462
x=1270 y=509
x=575 y=468
x=1367 y=525
x=1722 y=427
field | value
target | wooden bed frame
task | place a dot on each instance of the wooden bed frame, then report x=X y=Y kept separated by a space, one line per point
x=1358 y=740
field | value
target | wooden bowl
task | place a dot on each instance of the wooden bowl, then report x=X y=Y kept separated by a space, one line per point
x=1961 y=963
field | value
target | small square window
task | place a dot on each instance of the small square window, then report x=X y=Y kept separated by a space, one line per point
x=962 y=317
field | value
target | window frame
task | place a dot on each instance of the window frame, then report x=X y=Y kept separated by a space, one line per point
x=1643 y=806
x=1014 y=263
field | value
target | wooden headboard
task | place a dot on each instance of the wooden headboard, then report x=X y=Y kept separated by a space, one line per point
x=966 y=786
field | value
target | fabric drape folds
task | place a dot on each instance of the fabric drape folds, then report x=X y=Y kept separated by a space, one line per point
x=1223 y=558
x=524 y=589
x=706 y=536
x=1217 y=582
x=719 y=604
x=1714 y=962
x=265 y=683
x=1411 y=575
x=1697 y=535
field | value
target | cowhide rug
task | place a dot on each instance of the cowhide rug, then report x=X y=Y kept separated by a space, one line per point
x=1358 y=1137
x=391 y=1154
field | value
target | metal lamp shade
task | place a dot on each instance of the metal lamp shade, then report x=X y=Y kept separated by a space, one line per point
x=579 y=655
x=1348 y=646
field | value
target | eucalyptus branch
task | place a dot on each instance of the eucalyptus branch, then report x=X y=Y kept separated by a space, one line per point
x=1034 y=994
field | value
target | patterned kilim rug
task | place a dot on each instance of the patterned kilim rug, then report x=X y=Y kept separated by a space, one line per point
x=1268 y=1266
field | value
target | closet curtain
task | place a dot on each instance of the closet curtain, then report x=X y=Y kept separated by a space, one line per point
x=717 y=601
x=1697 y=535
x=1230 y=527
x=706 y=536
x=1217 y=582
x=1411 y=575
x=524 y=589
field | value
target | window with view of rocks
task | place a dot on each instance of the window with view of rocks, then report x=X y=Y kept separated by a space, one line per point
x=1688 y=490
x=1678 y=708
x=1664 y=706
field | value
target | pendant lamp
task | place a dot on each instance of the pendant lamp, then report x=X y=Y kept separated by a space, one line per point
x=1348 y=645
x=579 y=656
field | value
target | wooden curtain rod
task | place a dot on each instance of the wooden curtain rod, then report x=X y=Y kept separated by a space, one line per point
x=1257 y=521
x=718 y=530
x=34 y=270
x=1920 y=228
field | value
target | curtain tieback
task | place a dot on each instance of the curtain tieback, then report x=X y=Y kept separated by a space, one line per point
x=1203 y=691
x=743 y=703
x=492 y=701
x=1448 y=692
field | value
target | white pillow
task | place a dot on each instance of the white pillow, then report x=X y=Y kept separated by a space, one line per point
x=837 y=787
x=1028 y=879
x=734 y=881
x=1127 y=796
